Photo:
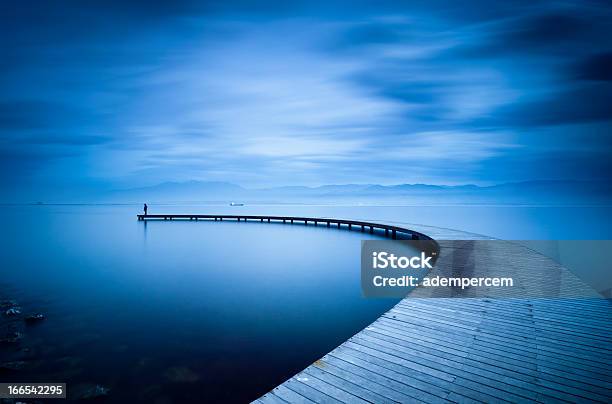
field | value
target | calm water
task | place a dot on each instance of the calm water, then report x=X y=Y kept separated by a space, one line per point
x=194 y=311
x=178 y=311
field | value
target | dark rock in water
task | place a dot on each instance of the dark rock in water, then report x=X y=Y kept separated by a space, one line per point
x=89 y=391
x=34 y=318
x=7 y=304
x=13 y=311
x=11 y=337
x=15 y=365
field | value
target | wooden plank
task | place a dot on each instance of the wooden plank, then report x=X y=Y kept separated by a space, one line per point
x=506 y=381
x=329 y=389
x=289 y=395
x=352 y=364
x=434 y=390
x=409 y=363
x=539 y=349
x=307 y=391
x=356 y=375
x=496 y=352
x=322 y=372
x=270 y=398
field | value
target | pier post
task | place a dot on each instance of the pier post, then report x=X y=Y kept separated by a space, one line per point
x=390 y=231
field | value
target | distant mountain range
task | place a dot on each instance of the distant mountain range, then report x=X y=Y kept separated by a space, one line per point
x=551 y=192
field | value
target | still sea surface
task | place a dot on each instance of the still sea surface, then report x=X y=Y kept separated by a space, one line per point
x=207 y=311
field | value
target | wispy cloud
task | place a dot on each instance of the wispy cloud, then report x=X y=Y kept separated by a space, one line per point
x=305 y=93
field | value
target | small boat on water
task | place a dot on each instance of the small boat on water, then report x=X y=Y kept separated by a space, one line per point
x=236 y=204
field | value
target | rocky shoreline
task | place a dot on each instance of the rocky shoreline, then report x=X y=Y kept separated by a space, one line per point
x=17 y=358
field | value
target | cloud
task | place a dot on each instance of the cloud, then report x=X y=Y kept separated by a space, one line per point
x=581 y=104
x=549 y=32
x=30 y=122
x=319 y=148
x=303 y=92
x=31 y=114
x=546 y=28
x=596 y=67
x=368 y=34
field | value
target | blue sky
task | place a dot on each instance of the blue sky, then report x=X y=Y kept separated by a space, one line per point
x=101 y=94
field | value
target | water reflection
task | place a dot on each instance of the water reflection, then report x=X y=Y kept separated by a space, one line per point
x=182 y=311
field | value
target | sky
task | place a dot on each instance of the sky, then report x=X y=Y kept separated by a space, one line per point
x=98 y=95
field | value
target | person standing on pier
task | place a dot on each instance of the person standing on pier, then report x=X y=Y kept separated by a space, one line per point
x=146 y=208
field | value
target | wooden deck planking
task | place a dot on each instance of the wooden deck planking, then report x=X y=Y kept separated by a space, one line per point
x=481 y=349
x=326 y=374
x=290 y=396
x=462 y=372
x=375 y=386
x=405 y=388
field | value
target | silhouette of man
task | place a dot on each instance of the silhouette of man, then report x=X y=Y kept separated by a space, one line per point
x=146 y=208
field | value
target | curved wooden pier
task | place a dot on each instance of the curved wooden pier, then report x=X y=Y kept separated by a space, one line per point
x=440 y=350
x=391 y=231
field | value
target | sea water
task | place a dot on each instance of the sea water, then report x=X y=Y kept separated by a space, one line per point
x=186 y=311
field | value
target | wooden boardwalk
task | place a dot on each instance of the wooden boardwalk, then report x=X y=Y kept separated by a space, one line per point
x=439 y=350
x=469 y=349
x=388 y=230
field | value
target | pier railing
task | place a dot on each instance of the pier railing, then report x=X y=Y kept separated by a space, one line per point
x=391 y=231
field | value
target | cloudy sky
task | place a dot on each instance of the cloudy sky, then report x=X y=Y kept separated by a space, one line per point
x=117 y=94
